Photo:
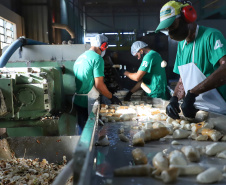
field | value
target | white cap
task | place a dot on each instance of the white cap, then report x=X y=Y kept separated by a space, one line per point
x=136 y=46
x=98 y=40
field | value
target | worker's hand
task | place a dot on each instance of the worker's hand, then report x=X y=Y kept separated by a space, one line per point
x=188 y=107
x=115 y=100
x=128 y=96
x=172 y=109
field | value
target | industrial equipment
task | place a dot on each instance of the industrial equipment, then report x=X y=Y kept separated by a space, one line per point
x=37 y=85
x=31 y=93
x=36 y=89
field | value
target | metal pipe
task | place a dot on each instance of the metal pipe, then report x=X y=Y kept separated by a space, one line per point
x=66 y=27
x=84 y=23
x=14 y=46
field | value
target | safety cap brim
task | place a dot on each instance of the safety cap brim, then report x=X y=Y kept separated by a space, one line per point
x=165 y=24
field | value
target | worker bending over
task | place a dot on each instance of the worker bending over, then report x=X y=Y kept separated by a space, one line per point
x=89 y=79
x=150 y=72
x=200 y=62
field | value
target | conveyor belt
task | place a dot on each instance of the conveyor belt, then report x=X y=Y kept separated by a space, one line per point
x=118 y=154
x=94 y=165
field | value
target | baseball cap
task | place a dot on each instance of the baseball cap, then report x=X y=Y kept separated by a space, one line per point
x=98 y=40
x=168 y=13
x=136 y=46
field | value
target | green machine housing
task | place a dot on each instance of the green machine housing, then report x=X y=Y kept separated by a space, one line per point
x=36 y=89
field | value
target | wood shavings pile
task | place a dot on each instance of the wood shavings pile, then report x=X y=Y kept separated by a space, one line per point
x=19 y=171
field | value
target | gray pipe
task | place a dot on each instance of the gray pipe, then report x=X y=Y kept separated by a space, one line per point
x=14 y=46
x=65 y=27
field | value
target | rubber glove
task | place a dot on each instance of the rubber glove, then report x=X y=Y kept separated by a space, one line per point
x=115 y=100
x=128 y=96
x=121 y=72
x=172 y=109
x=188 y=107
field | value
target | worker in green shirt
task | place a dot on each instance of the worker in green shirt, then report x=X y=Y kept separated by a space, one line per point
x=89 y=79
x=200 y=62
x=150 y=72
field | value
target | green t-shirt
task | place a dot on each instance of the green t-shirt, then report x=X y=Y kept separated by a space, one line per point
x=155 y=77
x=210 y=46
x=88 y=66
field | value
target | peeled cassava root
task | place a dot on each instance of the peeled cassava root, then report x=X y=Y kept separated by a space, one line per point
x=160 y=162
x=203 y=124
x=191 y=169
x=215 y=148
x=176 y=157
x=191 y=153
x=211 y=133
x=181 y=134
x=123 y=138
x=138 y=138
x=139 y=157
x=155 y=134
x=102 y=141
x=149 y=134
x=169 y=175
x=145 y=88
x=222 y=154
x=211 y=175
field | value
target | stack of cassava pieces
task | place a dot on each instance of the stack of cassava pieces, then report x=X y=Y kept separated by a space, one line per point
x=154 y=124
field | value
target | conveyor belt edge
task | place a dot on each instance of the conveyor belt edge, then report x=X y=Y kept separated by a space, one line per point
x=84 y=147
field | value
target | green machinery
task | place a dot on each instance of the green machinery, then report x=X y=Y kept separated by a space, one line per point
x=36 y=89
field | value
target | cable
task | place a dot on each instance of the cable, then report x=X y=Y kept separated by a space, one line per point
x=73 y=98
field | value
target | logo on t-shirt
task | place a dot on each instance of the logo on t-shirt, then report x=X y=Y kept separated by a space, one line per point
x=218 y=44
x=145 y=64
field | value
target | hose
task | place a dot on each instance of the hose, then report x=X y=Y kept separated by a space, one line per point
x=14 y=46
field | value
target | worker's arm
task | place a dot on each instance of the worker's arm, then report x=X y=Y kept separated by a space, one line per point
x=179 y=90
x=101 y=87
x=216 y=79
x=135 y=76
x=136 y=87
x=133 y=90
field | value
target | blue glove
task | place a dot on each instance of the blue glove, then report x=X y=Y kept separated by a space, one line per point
x=188 y=107
x=115 y=100
x=172 y=109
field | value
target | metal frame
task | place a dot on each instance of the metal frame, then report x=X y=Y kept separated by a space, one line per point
x=84 y=150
